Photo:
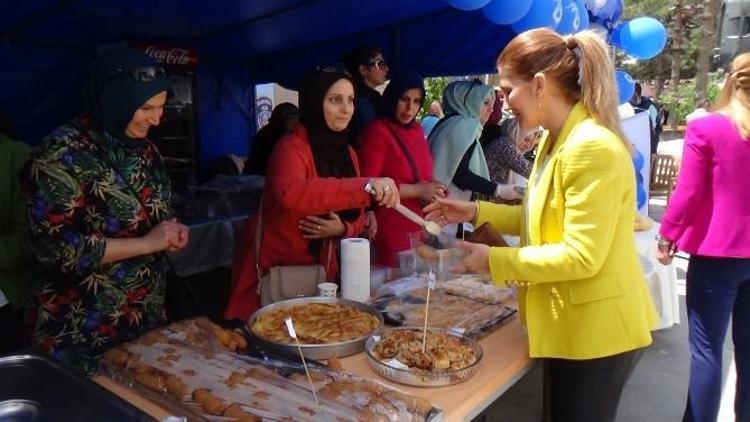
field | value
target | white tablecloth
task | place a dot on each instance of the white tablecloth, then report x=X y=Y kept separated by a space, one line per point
x=661 y=279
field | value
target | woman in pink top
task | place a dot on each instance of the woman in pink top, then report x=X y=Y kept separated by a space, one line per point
x=709 y=217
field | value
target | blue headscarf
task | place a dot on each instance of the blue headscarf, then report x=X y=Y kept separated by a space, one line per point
x=459 y=129
x=400 y=83
x=113 y=94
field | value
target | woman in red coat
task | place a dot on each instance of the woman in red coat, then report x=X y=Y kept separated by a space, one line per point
x=394 y=146
x=314 y=194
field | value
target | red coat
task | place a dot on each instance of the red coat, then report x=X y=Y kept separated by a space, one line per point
x=381 y=156
x=293 y=191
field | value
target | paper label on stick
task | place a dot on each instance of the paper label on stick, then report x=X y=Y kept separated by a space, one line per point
x=290 y=328
x=431 y=280
x=395 y=363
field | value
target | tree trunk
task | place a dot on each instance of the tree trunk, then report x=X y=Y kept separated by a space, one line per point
x=706 y=44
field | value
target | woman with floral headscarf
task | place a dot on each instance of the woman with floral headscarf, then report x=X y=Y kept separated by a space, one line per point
x=100 y=216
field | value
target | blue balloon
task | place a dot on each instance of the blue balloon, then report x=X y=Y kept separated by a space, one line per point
x=505 y=12
x=642 y=38
x=640 y=192
x=625 y=86
x=574 y=18
x=584 y=15
x=468 y=4
x=543 y=13
x=608 y=10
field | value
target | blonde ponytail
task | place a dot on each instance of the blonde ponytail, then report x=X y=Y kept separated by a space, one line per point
x=579 y=63
x=597 y=81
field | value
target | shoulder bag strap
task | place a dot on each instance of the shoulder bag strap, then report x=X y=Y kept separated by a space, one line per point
x=406 y=152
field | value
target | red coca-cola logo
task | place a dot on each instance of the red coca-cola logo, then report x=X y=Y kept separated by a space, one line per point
x=172 y=56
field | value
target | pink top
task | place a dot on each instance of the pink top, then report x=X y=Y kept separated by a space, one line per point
x=709 y=211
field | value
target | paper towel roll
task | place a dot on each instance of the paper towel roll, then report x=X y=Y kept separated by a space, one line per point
x=355 y=269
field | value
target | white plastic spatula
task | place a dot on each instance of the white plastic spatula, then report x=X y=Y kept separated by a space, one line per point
x=431 y=227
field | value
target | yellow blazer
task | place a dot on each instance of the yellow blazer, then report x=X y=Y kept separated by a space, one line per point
x=583 y=294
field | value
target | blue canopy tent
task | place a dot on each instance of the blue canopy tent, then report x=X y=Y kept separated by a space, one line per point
x=46 y=45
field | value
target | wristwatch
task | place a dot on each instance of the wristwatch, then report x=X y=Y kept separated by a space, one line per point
x=662 y=242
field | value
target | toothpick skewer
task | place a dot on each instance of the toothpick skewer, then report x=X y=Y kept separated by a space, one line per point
x=430 y=286
x=293 y=334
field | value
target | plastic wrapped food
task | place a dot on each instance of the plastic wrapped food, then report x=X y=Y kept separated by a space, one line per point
x=208 y=384
x=465 y=304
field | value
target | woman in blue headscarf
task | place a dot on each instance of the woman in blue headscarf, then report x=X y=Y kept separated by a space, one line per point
x=454 y=142
x=100 y=216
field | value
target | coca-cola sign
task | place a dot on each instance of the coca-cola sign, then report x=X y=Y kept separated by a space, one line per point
x=170 y=56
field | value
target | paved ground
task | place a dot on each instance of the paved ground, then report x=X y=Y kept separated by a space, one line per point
x=657 y=390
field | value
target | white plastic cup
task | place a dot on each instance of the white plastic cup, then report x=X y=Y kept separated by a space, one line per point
x=327 y=289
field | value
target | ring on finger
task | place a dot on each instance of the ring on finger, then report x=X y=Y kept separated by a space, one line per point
x=387 y=188
x=318 y=227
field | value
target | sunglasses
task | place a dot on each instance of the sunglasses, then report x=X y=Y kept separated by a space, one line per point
x=379 y=64
x=143 y=74
x=333 y=68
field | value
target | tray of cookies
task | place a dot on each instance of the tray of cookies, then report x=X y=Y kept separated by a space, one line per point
x=202 y=384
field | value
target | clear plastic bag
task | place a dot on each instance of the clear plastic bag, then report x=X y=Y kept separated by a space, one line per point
x=205 y=384
x=464 y=303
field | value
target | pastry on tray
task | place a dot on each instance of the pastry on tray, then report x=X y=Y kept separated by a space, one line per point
x=316 y=323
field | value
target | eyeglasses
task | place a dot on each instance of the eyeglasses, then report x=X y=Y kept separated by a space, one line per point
x=379 y=64
x=143 y=74
x=332 y=68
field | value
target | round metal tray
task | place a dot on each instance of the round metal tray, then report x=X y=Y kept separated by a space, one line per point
x=316 y=351
x=420 y=377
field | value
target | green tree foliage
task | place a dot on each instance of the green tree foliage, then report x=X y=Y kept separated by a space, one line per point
x=681 y=102
x=433 y=92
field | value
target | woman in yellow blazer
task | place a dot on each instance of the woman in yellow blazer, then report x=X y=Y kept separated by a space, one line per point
x=581 y=289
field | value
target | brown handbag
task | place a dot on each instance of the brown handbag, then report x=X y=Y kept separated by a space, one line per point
x=486 y=235
x=284 y=282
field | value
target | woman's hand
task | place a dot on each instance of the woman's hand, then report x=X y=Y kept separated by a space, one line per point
x=665 y=250
x=183 y=236
x=476 y=261
x=166 y=234
x=385 y=191
x=314 y=227
x=371 y=226
x=444 y=211
x=430 y=191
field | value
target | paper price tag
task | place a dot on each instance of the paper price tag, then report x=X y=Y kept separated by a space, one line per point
x=290 y=328
x=431 y=280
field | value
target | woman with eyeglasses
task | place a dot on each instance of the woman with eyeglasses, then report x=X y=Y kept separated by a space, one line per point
x=314 y=194
x=100 y=216
x=459 y=160
x=369 y=70
x=393 y=146
x=582 y=292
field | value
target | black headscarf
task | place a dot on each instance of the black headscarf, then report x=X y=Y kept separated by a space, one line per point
x=399 y=84
x=330 y=149
x=112 y=92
